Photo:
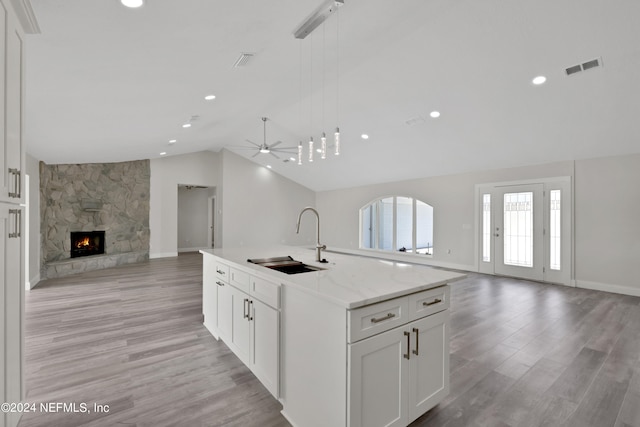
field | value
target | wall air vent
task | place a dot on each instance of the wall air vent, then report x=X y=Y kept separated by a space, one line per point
x=243 y=60
x=584 y=66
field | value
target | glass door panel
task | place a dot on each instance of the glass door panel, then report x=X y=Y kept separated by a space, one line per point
x=519 y=231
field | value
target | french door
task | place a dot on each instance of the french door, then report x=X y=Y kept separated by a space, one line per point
x=525 y=230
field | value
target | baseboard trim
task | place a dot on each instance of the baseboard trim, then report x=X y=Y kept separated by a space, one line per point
x=163 y=255
x=181 y=250
x=607 y=287
x=33 y=282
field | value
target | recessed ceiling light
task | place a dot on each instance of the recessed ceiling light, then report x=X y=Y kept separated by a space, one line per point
x=210 y=97
x=269 y=166
x=364 y=136
x=164 y=153
x=186 y=125
x=293 y=159
x=434 y=114
x=132 y=3
x=173 y=141
x=539 y=80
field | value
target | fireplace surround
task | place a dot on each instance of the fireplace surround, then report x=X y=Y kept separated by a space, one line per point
x=86 y=243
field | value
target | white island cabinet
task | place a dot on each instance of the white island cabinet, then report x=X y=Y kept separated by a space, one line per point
x=361 y=342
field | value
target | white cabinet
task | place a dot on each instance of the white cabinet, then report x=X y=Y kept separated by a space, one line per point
x=11 y=308
x=240 y=325
x=398 y=375
x=225 y=311
x=265 y=333
x=243 y=311
x=11 y=213
x=209 y=295
x=11 y=74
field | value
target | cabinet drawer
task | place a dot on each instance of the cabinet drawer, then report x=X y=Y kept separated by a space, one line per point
x=373 y=319
x=266 y=291
x=428 y=302
x=222 y=271
x=240 y=280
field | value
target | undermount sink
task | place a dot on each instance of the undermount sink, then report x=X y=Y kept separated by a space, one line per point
x=285 y=264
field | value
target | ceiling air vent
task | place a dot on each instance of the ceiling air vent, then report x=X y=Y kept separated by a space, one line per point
x=584 y=66
x=243 y=59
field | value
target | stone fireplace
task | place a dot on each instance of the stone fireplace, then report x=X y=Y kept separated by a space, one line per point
x=93 y=216
x=86 y=243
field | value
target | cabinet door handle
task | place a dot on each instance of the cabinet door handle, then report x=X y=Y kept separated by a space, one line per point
x=250 y=318
x=220 y=272
x=417 y=350
x=380 y=319
x=408 y=335
x=219 y=283
x=15 y=233
x=15 y=174
x=435 y=301
x=245 y=305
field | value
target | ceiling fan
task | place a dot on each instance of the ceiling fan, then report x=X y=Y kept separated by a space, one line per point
x=265 y=148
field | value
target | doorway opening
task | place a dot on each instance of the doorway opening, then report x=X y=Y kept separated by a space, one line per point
x=196 y=217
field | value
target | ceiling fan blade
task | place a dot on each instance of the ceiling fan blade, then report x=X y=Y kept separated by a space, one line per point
x=255 y=154
x=275 y=143
x=251 y=142
x=271 y=152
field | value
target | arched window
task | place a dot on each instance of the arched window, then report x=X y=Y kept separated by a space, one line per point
x=397 y=223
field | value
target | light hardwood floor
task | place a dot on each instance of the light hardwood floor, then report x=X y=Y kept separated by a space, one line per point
x=522 y=354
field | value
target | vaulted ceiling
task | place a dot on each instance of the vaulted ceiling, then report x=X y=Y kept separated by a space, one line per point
x=106 y=83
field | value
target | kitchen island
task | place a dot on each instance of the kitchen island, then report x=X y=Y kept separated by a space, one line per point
x=357 y=342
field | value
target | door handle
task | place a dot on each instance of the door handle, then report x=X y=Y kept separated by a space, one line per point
x=250 y=317
x=245 y=314
x=16 y=227
x=408 y=335
x=417 y=350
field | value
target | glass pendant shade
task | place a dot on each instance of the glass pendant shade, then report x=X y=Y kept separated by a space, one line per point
x=311 y=149
x=300 y=153
x=323 y=146
x=337 y=142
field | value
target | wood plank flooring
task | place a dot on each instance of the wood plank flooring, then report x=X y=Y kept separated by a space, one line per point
x=522 y=354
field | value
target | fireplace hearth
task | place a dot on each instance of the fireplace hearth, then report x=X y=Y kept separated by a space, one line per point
x=87 y=243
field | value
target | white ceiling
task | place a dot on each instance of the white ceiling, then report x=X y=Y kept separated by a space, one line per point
x=106 y=83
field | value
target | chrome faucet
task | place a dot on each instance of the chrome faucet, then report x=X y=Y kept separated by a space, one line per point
x=319 y=247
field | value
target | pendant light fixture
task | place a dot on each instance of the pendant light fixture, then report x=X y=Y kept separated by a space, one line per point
x=302 y=31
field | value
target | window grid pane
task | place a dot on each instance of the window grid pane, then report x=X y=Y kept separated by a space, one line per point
x=424 y=228
x=404 y=224
x=518 y=229
x=386 y=224
x=486 y=228
x=554 y=230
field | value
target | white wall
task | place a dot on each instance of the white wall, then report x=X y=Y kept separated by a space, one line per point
x=193 y=218
x=606 y=224
x=452 y=198
x=166 y=173
x=261 y=207
x=33 y=170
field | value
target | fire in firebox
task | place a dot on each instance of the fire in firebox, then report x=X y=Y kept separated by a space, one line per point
x=86 y=243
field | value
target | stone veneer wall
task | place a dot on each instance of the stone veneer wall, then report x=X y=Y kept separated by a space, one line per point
x=117 y=195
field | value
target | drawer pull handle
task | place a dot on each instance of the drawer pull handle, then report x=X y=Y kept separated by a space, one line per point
x=220 y=272
x=219 y=283
x=417 y=350
x=408 y=335
x=435 y=301
x=381 y=319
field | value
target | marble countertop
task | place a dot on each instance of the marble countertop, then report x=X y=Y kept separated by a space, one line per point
x=348 y=280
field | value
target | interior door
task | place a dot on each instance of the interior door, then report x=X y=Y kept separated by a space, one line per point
x=518 y=231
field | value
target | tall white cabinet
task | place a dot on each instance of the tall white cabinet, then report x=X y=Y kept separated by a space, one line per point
x=12 y=160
